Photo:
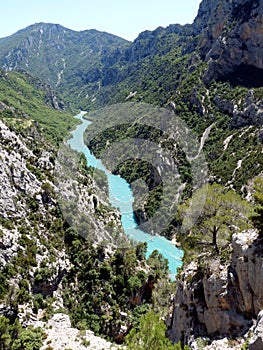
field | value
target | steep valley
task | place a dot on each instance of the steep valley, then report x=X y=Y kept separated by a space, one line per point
x=208 y=74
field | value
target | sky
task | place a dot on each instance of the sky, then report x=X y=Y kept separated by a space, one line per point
x=123 y=18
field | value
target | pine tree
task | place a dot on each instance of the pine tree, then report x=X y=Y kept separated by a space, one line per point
x=151 y=335
x=223 y=213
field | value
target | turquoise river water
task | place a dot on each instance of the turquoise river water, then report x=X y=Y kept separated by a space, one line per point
x=120 y=195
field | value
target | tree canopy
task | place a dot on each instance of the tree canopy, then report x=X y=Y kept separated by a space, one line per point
x=14 y=337
x=224 y=212
x=151 y=335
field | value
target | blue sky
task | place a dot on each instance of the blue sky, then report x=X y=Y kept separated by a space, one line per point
x=124 y=18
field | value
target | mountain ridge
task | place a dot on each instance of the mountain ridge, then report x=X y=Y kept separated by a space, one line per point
x=100 y=69
x=37 y=47
x=202 y=73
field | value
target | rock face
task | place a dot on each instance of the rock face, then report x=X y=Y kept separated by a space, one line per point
x=205 y=11
x=28 y=208
x=246 y=112
x=15 y=176
x=256 y=343
x=220 y=300
x=60 y=335
x=22 y=193
x=232 y=37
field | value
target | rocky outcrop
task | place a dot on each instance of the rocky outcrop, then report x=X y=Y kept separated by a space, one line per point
x=216 y=300
x=256 y=342
x=205 y=12
x=60 y=335
x=250 y=112
x=24 y=181
x=15 y=177
x=232 y=36
x=247 y=269
x=30 y=225
x=245 y=112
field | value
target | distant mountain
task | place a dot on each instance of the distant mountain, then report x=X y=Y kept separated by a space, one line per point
x=59 y=55
x=81 y=64
x=208 y=72
x=92 y=68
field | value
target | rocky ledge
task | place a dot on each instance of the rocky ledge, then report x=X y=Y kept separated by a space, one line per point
x=60 y=335
x=216 y=300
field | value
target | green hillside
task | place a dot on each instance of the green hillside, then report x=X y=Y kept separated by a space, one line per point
x=25 y=99
x=65 y=59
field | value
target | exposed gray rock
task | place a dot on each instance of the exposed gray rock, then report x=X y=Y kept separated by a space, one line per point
x=231 y=35
x=248 y=111
x=205 y=11
x=247 y=266
x=28 y=208
x=256 y=342
x=219 y=300
x=15 y=177
x=60 y=335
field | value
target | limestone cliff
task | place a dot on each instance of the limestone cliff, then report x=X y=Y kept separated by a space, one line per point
x=214 y=299
x=30 y=223
x=231 y=40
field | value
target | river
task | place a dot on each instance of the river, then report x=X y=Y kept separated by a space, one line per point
x=120 y=196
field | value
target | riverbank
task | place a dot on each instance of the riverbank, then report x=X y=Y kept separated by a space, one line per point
x=121 y=197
